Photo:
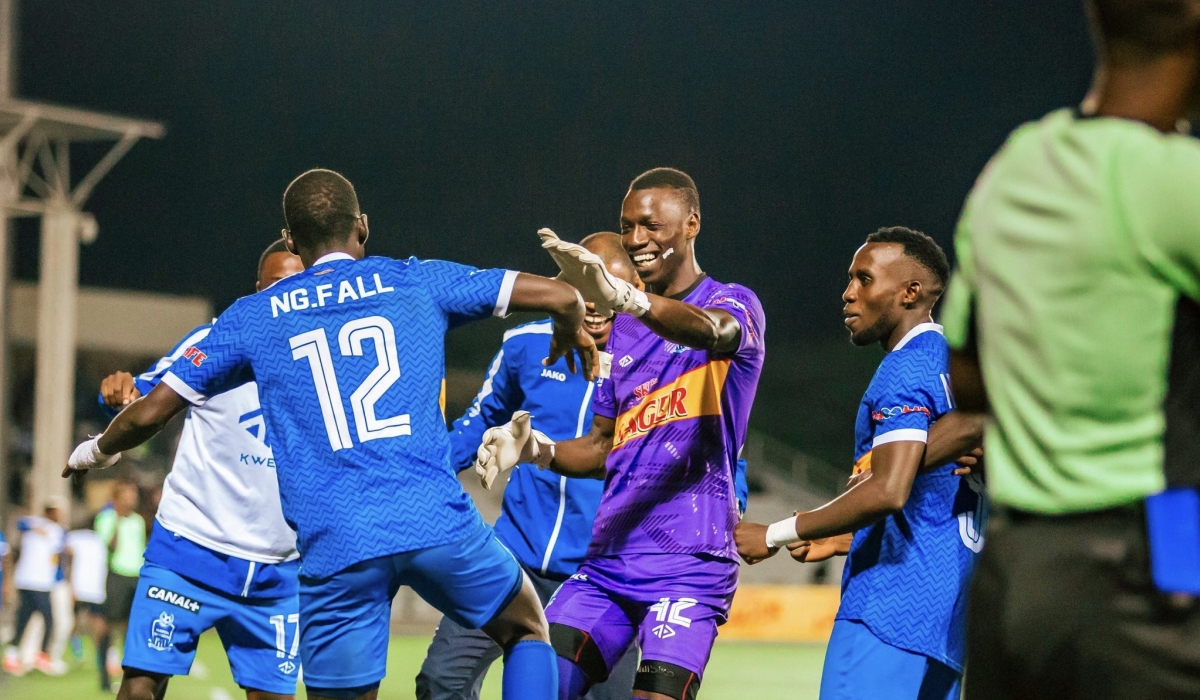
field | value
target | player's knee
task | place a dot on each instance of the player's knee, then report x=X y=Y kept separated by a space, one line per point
x=523 y=620
x=141 y=687
x=666 y=679
x=580 y=648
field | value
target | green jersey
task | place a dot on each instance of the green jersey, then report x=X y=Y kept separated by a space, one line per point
x=129 y=544
x=1078 y=250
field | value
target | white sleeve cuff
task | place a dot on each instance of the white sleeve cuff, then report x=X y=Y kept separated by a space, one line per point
x=506 y=290
x=901 y=435
x=188 y=393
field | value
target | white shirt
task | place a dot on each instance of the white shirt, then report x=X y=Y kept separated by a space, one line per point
x=89 y=565
x=222 y=492
x=41 y=545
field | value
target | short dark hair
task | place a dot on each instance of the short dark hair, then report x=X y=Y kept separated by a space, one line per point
x=320 y=207
x=669 y=178
x=279 y=245
x=919 y=247
x=1144 y=29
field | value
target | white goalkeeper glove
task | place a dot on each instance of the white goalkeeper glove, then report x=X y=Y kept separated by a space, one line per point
x=87 y=455
x=585 y=271
x=508 y=445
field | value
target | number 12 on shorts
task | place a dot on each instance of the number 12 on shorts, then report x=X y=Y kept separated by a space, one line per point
x=314 y=347
x=281 y=650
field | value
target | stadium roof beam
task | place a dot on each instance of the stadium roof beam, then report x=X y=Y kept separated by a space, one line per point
x=35 y=180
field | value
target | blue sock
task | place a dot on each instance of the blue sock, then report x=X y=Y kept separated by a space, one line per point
x=571 y=681
x=530 y=672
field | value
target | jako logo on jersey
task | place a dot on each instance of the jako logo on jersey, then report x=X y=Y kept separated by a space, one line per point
x=893 y=411
x=675 y=349
x=299 y=299
x=554 y=374
x=179 y=601
x=195 y=356
x=640 y=391
x=162 y=631
x=695 y=393
x=625 y=361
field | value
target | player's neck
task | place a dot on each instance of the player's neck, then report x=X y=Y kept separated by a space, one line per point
x=1157 y=92
x=902 y=329
x=685 y=278
x=310 y=258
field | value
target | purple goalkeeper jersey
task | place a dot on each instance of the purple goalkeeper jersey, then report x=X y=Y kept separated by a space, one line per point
x=681 y=418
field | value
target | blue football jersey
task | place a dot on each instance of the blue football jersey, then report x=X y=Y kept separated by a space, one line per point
x=349 y=359
x=906 y=577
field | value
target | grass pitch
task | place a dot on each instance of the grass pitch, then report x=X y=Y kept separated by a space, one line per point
x=738 y=670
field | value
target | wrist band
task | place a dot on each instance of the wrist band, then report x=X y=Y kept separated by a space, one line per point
x=782 y=533
x=638 y=303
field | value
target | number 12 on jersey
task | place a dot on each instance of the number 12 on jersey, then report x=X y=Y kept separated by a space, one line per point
x=314 y=347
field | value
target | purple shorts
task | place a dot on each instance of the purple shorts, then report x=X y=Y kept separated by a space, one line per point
x=672 y=603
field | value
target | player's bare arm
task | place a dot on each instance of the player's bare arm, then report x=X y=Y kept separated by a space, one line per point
x=966 y=380
x=893 y=467
x=566 y=309
x=584 y=456
x=140 y=421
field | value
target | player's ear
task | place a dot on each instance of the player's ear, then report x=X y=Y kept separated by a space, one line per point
x=362 y=230
x=289 y=242
x=691 y=227
x=912 y=293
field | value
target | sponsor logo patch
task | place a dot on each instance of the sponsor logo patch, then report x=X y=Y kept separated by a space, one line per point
x=195 y=356
x=625 y=361
x=162 y=630
x=893 y=411
x=641 y=390
x=173 y=598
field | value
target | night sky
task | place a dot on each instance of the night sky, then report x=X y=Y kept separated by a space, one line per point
x=467 y=125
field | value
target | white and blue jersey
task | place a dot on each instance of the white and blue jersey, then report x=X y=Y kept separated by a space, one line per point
x=349 y=359
x=219 y=521
x=906 y=577
x=545 y=519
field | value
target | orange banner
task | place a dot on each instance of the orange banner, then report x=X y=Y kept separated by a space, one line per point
x=765 y=613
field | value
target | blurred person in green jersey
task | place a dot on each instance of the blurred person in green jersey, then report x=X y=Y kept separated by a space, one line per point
x=1073 y=321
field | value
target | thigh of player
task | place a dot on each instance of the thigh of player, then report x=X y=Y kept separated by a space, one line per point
x=262 y=641
x=470 y=581
x=860 y=666
x=344 y=625
x=168 y=615
x=120 y=593
x=590 y=625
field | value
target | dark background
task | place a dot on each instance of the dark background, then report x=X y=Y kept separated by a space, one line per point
x=467 y=125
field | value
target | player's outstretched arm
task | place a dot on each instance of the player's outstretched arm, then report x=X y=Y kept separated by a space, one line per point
x=681 y=323
x=140 y=421
x=584 y=457
x=894 y=465
x=566 y=309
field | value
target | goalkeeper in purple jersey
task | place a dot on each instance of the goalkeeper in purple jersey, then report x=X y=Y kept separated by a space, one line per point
x=669 y=420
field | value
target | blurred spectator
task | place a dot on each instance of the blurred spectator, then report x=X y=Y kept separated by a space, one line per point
x=89 y=580
x=123 y=533
x=39 y=568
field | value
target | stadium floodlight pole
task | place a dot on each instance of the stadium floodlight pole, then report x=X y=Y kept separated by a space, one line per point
x=37 y=182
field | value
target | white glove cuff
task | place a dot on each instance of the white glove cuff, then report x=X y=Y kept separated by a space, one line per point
x=546 y=451
x=782 y=533
x=638 y=303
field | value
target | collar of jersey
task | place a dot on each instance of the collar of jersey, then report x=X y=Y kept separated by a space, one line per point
x=917 y=330
x=330 y=257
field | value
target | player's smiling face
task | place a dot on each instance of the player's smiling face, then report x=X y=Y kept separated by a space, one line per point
x=657 y=228
x=874 y=295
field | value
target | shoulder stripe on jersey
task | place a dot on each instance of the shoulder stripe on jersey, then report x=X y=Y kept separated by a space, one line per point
x=538 y=327
x=197 y=334
x=946 y=388
x=486 y=389
x=901 y=435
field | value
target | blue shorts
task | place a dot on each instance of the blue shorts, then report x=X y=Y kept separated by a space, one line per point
x=345 y=618
x=170 y=613
x=860 y=666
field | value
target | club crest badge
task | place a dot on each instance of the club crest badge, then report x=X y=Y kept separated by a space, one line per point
x=161 y=632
